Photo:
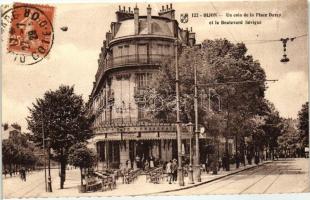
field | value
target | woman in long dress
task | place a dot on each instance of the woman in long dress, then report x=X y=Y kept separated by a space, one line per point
x=152 y=162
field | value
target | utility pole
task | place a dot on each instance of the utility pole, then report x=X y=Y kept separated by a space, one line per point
x=49 y=183
x=190 y=170
x=197 y=159
x=179 y=139
x=43 y=138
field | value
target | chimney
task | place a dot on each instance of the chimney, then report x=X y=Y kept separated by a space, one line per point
x=114 y=28
x=149 y=19
x=108 y=37
x=123 y=14
x=168 y=13
x=136 y=20
x=184 y=35
x=192 y=38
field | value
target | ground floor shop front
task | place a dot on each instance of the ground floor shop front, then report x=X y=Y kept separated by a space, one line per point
x=135 y=153
x=137 y=150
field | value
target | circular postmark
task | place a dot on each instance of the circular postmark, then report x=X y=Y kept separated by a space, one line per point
x=31 y=33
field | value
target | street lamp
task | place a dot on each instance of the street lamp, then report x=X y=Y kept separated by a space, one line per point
x=179 y=140
x=49 y=179
x=190 y=126
x=197 y=166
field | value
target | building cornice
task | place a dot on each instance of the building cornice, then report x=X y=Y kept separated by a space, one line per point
x=136 y=37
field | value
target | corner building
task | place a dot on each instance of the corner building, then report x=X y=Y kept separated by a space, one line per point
x=130 y=55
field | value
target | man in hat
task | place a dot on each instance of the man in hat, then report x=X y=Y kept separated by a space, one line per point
x=174 y=170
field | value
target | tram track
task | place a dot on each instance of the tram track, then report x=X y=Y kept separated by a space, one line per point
x=269 y=186
x=231 y=182
x=260 y=179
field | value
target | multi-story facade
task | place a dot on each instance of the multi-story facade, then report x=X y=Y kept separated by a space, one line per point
x=130 y=55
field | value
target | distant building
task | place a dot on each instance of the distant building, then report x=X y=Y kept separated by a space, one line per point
x=10 y=132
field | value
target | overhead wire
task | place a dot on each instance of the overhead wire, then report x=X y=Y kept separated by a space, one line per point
x=255 y=41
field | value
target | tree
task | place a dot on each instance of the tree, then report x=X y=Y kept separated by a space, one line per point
x=82 y=157
x=289 y=139
x=273 y=126
x=18 y=152
x=236 y=78
x=16 y=126
x=303 y=125
x=5 y=126
x=60 y=115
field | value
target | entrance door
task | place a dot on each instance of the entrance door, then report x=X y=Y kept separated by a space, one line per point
x=143 y=149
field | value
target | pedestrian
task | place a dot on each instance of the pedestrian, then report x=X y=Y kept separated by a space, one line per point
x=5 y=172
x=220 y=163
x=24 y=174
x=138 y=161
x=237 y=160
x=224 y=162
x=21 y=174
x=249 y=158
x=207 y=164
x=152 y=162
x=174 y=169
x=169 y=171
x=146 y=165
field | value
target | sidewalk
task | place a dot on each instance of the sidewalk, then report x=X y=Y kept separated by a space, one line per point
x=140 y=187
x=34 y=187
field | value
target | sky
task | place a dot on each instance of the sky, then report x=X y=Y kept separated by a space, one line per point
x=73 y=57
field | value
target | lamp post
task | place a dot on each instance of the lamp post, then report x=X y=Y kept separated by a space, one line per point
x=179 y=140
x=44 y=153
x=49 y=180
x=197 y=165
x=190 y=126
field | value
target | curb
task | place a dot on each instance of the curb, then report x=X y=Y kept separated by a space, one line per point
x=205 y=182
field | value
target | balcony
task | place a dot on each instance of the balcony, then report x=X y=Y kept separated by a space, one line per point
x=137 y=59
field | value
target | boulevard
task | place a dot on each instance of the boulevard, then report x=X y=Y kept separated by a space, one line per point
x=289 y=175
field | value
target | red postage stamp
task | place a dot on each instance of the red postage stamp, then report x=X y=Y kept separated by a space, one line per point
x=31 y=34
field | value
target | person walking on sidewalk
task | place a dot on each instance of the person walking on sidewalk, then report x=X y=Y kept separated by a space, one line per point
x=169 y=171
x=174 y=169
x=152 y=159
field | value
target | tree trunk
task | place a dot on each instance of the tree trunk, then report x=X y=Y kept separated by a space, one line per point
x=62 y=173
x=81 y=176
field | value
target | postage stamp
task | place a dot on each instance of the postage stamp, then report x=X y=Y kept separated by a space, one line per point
x=31 y=33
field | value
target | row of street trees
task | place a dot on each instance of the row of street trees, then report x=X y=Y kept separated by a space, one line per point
x=303 y=125
x=17 y=152
x=295 y=134
x=226 y=71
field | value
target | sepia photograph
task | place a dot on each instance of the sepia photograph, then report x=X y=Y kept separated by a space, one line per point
x=182 y=98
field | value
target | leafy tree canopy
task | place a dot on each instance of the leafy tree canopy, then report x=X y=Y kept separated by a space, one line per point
x=81 y=156
x=60 y=114
x=303 y=126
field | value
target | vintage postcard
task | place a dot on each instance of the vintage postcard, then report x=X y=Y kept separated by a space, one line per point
x=105 y=99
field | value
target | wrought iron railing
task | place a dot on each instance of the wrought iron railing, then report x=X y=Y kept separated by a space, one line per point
x=136 y=60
